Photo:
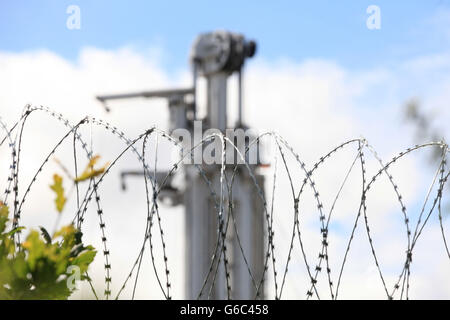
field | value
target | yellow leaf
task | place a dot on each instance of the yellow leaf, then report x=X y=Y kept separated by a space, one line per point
x=90 y=172
x=26 y=245
x=3 y=210
x=3 y=216
x=65 y=231
x=58 y=188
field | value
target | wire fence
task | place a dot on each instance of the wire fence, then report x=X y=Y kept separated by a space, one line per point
x=275 y=268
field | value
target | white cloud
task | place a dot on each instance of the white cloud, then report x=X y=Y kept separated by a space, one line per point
x=314 y=104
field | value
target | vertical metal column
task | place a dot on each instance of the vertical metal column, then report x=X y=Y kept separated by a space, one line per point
x=215 y=55
x=246 y=237
x=217 y=100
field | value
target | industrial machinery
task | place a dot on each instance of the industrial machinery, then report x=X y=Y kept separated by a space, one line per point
x=215 y=56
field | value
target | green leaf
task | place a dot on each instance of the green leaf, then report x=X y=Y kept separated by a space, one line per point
x=40 y=269
x=84 y=259
x=20 y=267
x=35 y=248
x=12 y=232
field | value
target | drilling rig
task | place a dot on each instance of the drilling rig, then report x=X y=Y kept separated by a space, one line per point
x=239 y=270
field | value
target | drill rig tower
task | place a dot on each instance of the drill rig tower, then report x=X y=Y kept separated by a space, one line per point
x=215 y=56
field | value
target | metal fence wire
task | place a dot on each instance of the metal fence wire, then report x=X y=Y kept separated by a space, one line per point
x=275 y=268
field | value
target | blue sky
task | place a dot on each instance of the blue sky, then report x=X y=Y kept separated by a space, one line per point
x=334 y=30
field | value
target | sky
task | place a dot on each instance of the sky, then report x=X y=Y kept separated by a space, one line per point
x=291 y=29
x=319 y=78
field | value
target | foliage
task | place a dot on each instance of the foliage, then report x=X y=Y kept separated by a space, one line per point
x=39 y=268
x=58 y=188
x=89 y=172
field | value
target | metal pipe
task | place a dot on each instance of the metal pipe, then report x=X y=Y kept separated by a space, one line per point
x=239 y=98
x=147 y=94
x=194 y=85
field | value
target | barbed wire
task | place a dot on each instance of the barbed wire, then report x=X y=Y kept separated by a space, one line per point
x=222 y=197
